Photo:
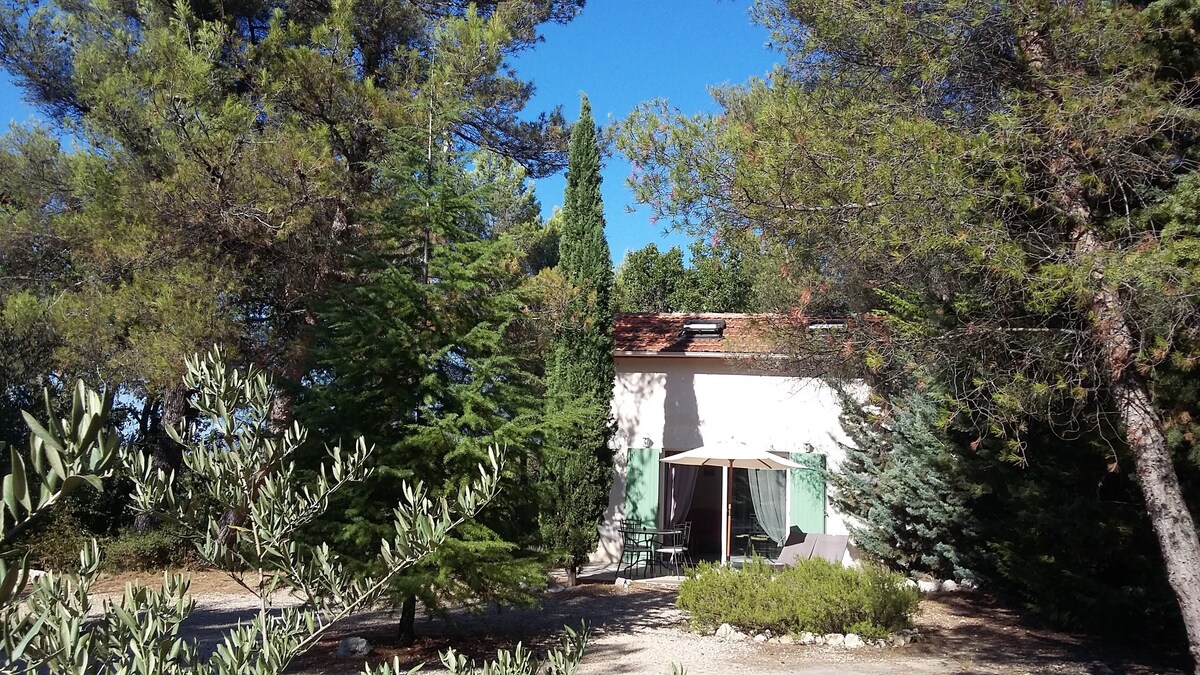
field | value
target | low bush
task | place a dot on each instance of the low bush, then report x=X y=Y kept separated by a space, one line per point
x=157 y=549
x=55 y=545
x=815 y=595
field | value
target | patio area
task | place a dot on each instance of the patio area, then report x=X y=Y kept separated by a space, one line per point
x=606 y=573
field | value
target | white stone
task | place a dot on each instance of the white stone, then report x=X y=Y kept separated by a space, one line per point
x=852 y=641
x=724 y=631
x=967 y=585
x=911 y=583
x=760 y=638
x=835 y=639
x=927 y=585
x=353 y=647
x=556 y=588
x=904 y=637
x=807 y=638
x=949 y=585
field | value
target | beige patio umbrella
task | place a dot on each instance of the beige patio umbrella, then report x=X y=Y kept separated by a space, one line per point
x=731 y=456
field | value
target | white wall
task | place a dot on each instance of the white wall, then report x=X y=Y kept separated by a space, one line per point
x=687 y=402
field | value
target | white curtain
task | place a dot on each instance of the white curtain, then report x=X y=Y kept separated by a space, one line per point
x=768 y=494
x=681 y=484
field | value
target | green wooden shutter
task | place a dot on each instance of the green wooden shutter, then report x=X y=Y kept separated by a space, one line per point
x=641 y=486
x=808 y=492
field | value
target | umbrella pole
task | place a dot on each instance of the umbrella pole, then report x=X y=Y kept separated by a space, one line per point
x=729 y=512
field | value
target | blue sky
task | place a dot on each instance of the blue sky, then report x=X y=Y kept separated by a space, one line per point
x=623 y=52
x=12 y=108
x=620 y=53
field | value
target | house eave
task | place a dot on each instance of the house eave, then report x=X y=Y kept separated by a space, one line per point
x=694 y=355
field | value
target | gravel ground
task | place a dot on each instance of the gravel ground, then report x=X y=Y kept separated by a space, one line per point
x=641 y=631
x=634 y=631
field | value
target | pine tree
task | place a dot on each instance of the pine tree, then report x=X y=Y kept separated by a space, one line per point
x=926 y=498
x=577 y=469
x=220 y=155
x=427 y=363
x=983 y=175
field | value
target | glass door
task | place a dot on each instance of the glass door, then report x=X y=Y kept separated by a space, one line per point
x=759 y=512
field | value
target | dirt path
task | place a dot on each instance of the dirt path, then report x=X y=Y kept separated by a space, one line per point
x=641 y=631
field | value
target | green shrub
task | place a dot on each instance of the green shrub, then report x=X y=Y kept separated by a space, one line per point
x=815 y=595
x=55 y=545
x=155 y=550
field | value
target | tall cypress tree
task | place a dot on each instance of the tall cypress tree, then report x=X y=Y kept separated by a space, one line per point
x=577 y=471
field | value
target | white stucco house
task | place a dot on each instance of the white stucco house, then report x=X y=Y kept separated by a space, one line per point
x=687 y=380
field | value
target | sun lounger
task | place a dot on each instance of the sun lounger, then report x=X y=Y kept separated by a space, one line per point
x=801 y=546
x=788 y=555
x=831 y=547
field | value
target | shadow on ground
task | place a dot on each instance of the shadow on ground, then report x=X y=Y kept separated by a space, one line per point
x=963 y=633
x=978 y=628
x=478 y=635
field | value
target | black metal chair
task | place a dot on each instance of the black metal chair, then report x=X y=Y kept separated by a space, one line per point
x=637 y=550
x=675 y=547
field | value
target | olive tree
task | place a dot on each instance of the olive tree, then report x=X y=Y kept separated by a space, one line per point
x=241 y=503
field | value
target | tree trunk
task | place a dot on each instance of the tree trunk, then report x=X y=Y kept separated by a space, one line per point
x=572 y=575
x=165 y=453
x=1172 y=521
x=292 y=366
x=406 y=633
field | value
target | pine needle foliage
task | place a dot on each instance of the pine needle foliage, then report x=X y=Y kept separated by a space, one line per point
x=421 y=353
x=929 y=499
x=204 y=165
x=982 y=177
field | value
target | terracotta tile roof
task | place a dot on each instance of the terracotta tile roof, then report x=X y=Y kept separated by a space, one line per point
x=647 y=334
